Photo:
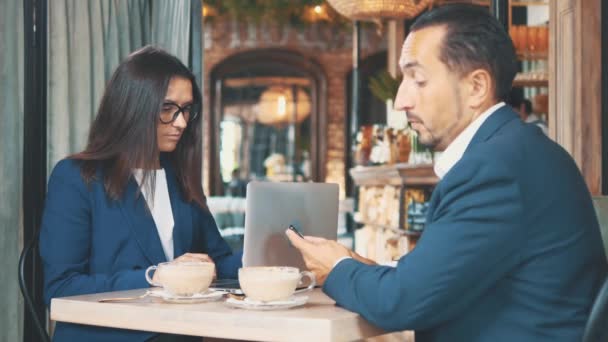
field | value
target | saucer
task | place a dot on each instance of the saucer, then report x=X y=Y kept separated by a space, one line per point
x=249 y=304
x=207 y=296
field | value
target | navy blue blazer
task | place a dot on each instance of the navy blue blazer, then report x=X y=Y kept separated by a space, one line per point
x=90 y=243
x=511 y=252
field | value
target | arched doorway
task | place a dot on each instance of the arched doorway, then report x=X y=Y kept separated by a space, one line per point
x=242 y=139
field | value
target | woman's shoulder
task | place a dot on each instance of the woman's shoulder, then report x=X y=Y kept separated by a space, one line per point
x=68 y=171
x=66 y=168
x=67 y=187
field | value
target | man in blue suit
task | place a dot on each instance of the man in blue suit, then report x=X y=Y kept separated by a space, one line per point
x=512 y=249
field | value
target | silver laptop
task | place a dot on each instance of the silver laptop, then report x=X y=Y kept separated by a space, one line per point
x=312 y=208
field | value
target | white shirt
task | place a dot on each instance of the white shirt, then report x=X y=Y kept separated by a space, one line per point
x=455 y=150
x=160 y=206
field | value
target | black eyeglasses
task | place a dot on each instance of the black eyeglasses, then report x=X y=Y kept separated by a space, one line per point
x=170 y=111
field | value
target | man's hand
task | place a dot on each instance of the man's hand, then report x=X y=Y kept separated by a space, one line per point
x=320 y=255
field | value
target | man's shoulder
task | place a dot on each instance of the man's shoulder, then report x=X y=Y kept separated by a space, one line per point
x=514 y=144
x=503 y=155
x=476 y=170
x=519 y=152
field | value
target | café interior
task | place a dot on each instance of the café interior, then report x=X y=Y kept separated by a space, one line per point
x=292 y=92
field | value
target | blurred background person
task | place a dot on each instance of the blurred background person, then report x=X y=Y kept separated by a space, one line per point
x=525 y=110
x=237 y=187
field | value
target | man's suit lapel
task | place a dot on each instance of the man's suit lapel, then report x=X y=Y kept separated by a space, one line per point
x=492 y=124
x=135 y=209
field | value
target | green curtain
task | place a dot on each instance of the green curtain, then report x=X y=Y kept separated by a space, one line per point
x=11 y=155
x=171 y=27
x=87 y=40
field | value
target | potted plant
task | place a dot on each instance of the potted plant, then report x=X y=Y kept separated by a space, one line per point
x=384 y=87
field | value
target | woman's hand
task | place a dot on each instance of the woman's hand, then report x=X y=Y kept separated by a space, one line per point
x=197 y=257
x=194 y=257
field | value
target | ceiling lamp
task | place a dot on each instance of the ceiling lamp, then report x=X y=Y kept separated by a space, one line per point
x=209 y=11
x=380 y=9
x=277 y=104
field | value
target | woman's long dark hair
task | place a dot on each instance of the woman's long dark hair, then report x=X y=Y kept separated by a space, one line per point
x=123 y=135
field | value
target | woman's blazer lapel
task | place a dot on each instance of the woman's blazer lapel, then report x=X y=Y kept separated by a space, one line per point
x=135 y=210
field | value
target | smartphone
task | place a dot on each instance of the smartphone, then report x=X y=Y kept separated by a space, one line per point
x=295 y=230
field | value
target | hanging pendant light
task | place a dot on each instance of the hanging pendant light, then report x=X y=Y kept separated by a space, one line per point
x=380 y=9
x=277 y=104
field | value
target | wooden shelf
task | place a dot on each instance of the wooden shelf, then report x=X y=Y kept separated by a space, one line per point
x=529 y=3
x=531 y=83
x=393 y=229
x=397 y=174
x=532 y=56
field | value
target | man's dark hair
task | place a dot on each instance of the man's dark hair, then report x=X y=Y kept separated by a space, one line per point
x=527 y=106
x=474 y=39
x=516 y=100
x=516 y=97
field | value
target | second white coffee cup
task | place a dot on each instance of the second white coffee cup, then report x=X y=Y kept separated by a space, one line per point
x=273 y=283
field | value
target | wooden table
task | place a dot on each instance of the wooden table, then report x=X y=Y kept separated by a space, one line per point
x=318 y=320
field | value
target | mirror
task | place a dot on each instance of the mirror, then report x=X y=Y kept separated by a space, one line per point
x=265 y=131
x=268 y=120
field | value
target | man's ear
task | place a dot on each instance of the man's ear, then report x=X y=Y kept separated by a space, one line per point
x=480 y=87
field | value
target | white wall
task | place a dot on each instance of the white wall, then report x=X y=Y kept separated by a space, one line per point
x=538 y=15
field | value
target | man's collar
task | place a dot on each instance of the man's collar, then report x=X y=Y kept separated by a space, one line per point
x=456 y=149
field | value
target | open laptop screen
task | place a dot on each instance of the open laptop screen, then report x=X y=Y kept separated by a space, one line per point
x=312 y=208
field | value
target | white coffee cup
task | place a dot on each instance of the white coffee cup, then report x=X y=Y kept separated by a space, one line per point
x=274 y=283
x=183 y=278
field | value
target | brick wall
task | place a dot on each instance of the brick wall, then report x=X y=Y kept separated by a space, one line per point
x=329 y=47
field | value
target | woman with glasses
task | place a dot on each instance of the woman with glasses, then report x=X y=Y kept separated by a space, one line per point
x=133 y=198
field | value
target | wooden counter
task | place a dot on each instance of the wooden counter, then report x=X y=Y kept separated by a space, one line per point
x=396 y=174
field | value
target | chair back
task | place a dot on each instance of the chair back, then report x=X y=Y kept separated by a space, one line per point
x=596 y=329
x=601 y=210
x=30 y=251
